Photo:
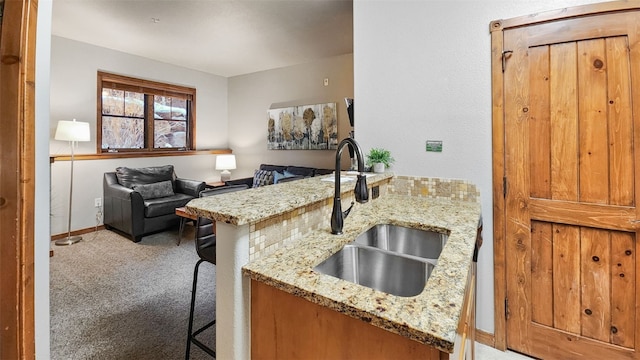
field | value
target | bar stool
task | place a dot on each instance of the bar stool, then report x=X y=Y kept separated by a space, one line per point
x=205 y=239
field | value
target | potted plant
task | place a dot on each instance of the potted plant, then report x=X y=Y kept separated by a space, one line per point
x=379 y=159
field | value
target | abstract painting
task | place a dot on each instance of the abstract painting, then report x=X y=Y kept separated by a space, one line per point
x=303 y=127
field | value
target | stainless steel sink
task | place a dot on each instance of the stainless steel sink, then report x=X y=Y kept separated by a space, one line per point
x=404 y=240
x=378 y=269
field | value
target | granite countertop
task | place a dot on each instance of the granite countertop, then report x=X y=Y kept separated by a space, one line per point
x=253 y=205
x=432 y=316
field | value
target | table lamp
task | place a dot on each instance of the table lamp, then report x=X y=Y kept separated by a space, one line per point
x=225 y=163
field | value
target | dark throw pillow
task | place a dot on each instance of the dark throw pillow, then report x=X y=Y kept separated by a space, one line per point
x=262 y=177
x=155 y=190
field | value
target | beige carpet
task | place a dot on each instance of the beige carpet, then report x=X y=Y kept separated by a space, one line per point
x=115 y=299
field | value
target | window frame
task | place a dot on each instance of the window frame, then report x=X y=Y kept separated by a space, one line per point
x=148 y=88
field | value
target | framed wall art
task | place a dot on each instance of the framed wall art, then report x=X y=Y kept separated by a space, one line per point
x=303 y=127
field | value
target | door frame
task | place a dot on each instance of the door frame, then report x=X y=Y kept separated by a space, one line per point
x=500 y=183
x=17 y=180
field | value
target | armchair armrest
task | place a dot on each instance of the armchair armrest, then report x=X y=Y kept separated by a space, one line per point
x=123 y=207
x=190 y=187
x=117 y=191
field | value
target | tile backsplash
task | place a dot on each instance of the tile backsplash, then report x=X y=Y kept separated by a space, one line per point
x=268 y=235
x=436 y=188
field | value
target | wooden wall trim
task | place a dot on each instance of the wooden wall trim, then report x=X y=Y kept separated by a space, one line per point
x=17 y=109
x=77 y=232
x=570 y=12
x=485 y=338
x=147 y=85
x=498 y=158
x=142 y=154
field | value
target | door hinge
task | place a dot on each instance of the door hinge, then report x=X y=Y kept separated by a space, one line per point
x=505 y=55
x=504 y=186
x=506 y=309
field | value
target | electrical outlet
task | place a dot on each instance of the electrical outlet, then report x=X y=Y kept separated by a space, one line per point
x=97 y=202
x=326 y=81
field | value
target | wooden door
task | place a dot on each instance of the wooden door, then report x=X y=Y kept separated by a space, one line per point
x=572 y=168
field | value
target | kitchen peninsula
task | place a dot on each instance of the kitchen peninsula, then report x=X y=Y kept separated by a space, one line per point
x=278 y=233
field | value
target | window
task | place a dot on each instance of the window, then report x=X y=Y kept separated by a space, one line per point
x=142 y=115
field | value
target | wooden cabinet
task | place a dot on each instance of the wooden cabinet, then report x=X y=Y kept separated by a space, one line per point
x=284 y=326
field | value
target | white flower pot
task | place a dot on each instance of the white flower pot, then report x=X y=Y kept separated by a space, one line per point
x=378 y=168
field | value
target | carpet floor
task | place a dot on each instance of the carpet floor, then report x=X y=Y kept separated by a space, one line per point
x=112 y=298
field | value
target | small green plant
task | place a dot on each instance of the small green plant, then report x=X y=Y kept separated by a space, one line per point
x=379 y=155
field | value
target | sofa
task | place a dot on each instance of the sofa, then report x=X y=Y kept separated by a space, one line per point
x=276 y=174
x=141 y=201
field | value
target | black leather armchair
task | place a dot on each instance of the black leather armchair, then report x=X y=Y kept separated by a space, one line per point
x=141 y=201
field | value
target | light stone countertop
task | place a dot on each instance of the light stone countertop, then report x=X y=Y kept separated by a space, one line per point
x=431 y=317
x=253 y=205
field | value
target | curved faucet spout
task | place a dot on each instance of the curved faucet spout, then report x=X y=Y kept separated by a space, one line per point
x=361 y=192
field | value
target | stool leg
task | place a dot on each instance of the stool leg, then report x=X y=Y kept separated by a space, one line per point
x=191 y=336
x=193 y=304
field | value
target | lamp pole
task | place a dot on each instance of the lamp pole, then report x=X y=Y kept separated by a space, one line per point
x=70 y=239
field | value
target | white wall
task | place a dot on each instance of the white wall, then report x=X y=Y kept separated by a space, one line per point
x=251 y=95
x=74 y=67
x=423 y=72
x=41 y=209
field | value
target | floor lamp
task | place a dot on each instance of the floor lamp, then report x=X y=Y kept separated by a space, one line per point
x=71 y=131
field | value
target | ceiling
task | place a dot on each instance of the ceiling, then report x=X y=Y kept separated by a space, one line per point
x=222 y=37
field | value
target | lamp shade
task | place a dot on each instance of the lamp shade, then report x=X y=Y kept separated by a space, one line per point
x=73 y=131
x=225 y=162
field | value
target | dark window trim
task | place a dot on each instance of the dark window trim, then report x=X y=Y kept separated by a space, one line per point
x=148 y=87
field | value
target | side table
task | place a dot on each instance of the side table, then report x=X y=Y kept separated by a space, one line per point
x=215 y=184
x=184 y=216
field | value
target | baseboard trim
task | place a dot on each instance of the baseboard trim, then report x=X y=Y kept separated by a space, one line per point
x=76 y=232
x=485 y=338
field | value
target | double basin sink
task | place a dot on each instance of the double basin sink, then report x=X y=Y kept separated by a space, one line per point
x=394 y=259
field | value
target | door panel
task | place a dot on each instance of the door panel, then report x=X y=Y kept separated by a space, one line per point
x=623 y=289
x=620 y=123
x=596 y=280
x=540 y=123
x=563 y=122
x=542 y=272
x=570 y=164
x=566 y=278
x=592 y=122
